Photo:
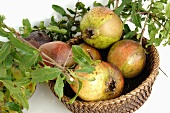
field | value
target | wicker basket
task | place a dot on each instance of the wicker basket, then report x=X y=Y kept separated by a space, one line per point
x=136 y=90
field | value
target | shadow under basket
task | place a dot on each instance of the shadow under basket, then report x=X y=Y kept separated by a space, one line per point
x=136 y=90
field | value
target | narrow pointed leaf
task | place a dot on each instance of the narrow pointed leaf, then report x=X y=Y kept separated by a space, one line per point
x=79 y=88
x=31 y=60
x=4 y=51
x=21 y=99
x=167 y=10
x=14 y=107
x=2 y=71
x=20 y=45
x=3 y=33
x=23 y=81
x=10 y=86
x=56 y=29
x=27 y=27
x=59 y=87
x=59 y=9
x=8 y=62
x=78 y=52
x=89 y=69
x=1 y=96
x=44 y=74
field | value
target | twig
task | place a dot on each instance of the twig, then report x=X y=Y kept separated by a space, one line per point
x=143 y=30
x=50 y=59
x=163 y=72
x=117 y=4
x=159 y=22
x=24 y=41
x=68 y=76
x=67 y=57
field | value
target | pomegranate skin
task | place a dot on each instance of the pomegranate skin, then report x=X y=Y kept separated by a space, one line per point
x=129 y=56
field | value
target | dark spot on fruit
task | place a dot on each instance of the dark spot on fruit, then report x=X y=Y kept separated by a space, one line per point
x=111 y=85
x=89 y=33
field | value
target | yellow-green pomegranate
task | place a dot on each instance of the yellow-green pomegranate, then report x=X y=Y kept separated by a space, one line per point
x=108 y=83
x=101 y=27
x=129 y=56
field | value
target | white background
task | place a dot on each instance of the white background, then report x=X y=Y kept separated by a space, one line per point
x=43 y=101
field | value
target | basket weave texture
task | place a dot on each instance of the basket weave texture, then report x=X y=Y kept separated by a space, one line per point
x=136 y=90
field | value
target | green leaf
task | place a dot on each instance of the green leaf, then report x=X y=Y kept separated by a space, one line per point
x=56 y=29
x=136 y=19
x=4 y=51
x=153 y=33
x=153 y=39
x=167 y=10
x=53 y=22
x=74 y=74
x=1 y=96
x=59 y=9
x=71 y=11
x=69 y=26
x=79 y=88
x=59 y=87
x=129 y=35
x=79 y=53
x=10 y=86
x=119 y=9
x=159 y=5
x=122 y=6
x=81 y=61
x=5 y=78
x=31 y=60
x=44 y=74
x=110 y=2
x=151 y=27
x=3 y=33
x=2 y=70
x=41 y=25
x=23 y=81
x=140 y=4
x=20 y=45
x=72 y=100
x=21 y=99
x=8 y=62
x=167 y=27
x=164 y=1
x=30 y=89
x=126 y=28
x=86 y=69
x=97 y=4
x=13 y=106
x=27 y=27
x=80 y=5
x=82 y=58
x=157 y=41
x=2 y=18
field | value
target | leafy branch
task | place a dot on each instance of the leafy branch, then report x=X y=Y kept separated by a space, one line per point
x=19 y=51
